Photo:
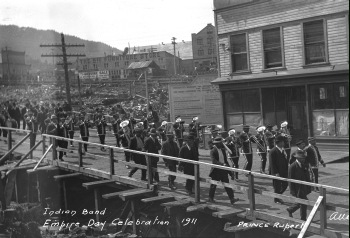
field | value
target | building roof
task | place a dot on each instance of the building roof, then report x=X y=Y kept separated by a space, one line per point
x=143 y=64
x=219 y=4
x=275 y=75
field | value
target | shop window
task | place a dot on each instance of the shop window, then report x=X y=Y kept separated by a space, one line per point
x=239 y=53
x=314 y=42
x=242 y=107
x=272 y=45
x=330 y=109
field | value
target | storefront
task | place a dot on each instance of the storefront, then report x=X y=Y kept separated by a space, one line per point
x=314 y=101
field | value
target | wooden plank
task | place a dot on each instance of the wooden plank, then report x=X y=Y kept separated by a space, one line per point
x=64 y=176
x=198 y=207
x=310 y=217
x=46 y=167
x=165 y=198
x=117 y=194
x=142 y=192
x=176 y=203
x=228 y=214
x=285 y=197
x=10 y=185
x=91 y=185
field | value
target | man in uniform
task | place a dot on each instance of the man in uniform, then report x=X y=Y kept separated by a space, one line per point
x=270 y=137
x=101 y=130
x=116 y=128
x=261 y=149
x=188 y=151
x=84 y=131
x=233 y=143
x=32 y=125
x=152 y=145
x=218 y=156
x=137 y=143
x=71 y=123
x=284 y=131
x=247 y=152
x=170 y=148
x=314 y=158
x=179 y=129
x=125 y=139
x=162 y=131
x=279 y=167
x=299 y=170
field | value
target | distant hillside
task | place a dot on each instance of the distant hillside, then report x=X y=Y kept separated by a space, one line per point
x=29 y=39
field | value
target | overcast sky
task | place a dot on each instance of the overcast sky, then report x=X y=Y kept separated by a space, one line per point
x=114 y=22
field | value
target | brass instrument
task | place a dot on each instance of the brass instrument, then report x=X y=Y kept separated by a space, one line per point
x=258 y=144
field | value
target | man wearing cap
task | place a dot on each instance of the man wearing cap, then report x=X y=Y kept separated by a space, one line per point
x=314 y=158
x=65 y=134
x=152 y=145
x=32 y=125
x=299 y=171
x=270 y=137
x=247 y=152
x=279 y=167
x=137 y=143
x=218 y=156
x=261 y=149
x=84 y=131
x=170 y=148
x=101 y=130
x=284 y=131
x=116 y=128
x=301 y=146
x=125 y=139
x=233 y=143
x=188 y=151
x=179 y=129
x=71 y=122
x=161 y=131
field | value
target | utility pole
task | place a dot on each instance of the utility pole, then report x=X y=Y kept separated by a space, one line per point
x=174 y=43
x=65 y=63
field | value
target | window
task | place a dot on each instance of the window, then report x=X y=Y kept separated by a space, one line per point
x=242 y=107
x=272 y=48
x=126 y=63
x=199 y=41
x=330 y=109
x=239 y=53
x=210 y=51
x=210 y=40
x=314 y=42
x=116 y=64
x=200 y=52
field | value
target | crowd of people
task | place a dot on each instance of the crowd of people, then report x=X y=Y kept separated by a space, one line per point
x=150 y=134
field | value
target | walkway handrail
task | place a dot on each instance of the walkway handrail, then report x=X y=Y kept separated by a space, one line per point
x=4 y=157
x=43 y=156
x=14 y=129
x=199 y=163
x=310 y=217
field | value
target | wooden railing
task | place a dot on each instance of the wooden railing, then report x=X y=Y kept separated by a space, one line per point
x=250 y=188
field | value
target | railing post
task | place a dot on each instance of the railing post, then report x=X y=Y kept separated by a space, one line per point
x=111 y=159
x=323 y=211
x=251 y=194
x=31 y=143
x=80 y=153
x=149 y=171
x=54 y=151
x=44 y=144
x=196 y=184
x=9 y=140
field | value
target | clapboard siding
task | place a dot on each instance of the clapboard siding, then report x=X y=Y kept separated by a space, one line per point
x=293 y=53
x=255 y=52
x=224 y=56
x=275 y=12
x=337 y=41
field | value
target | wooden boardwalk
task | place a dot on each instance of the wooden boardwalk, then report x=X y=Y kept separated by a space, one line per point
x=97 y=163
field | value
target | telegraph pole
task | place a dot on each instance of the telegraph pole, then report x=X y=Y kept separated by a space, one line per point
x=174 y=43
x=65 y=63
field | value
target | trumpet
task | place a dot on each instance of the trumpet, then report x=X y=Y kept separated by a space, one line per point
x=286 y=135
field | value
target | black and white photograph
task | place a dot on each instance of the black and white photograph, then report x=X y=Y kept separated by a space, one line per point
x=187 y=118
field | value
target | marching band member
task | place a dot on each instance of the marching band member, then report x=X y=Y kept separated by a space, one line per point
x=161 y=131
x=179 y=129
x=53 y=128
x=218 y=156
x=246 y=150
x=287 y=137
x=84 y=131
x=32 y=125
x=261 y=149
x=71 y=122
x=270 y=137
x=116 y=128
x=65 y=133
x=195 y=126
x=101 y=130
x=125 y=139
x=137 y=143
x=233 y=143
x=152 y=145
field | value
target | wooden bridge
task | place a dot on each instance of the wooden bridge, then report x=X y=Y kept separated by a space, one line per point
x=256 y=198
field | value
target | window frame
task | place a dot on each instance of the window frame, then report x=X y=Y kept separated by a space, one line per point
x=325 y=37
x=202 y=52
x=282 y=49
x=199 y=41
x=247 y=50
